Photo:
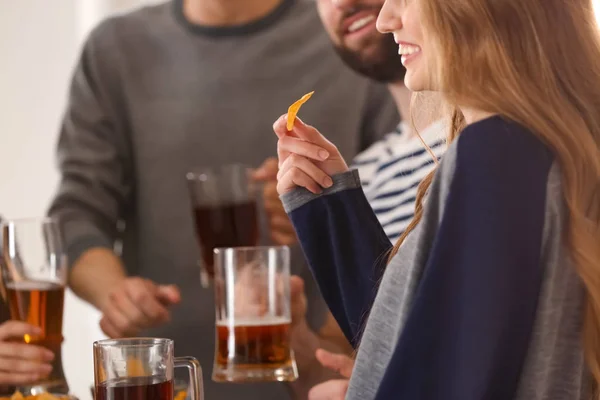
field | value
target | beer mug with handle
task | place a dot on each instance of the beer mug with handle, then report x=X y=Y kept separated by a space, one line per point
x=141 y=369
x=225 y=205
x=253 y=315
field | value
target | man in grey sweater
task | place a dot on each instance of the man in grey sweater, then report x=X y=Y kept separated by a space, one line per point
x=173 y=86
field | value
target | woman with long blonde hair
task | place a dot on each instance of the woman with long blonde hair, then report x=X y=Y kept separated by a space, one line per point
x=494 y=291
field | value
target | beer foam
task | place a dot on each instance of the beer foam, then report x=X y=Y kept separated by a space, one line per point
x=249 y=321
x=33 y=285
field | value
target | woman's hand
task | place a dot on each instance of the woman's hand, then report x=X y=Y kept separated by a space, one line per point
x=334 y=389
x=22 y=363
x=306 y=158
x=282 y=230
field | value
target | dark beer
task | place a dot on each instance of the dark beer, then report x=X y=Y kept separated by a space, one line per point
x=141 y=388
x=230 y=225
x=40 y=304
x=254 y=344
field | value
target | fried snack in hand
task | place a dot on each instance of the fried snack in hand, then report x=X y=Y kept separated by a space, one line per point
x=294 y=108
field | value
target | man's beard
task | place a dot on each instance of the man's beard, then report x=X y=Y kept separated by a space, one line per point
x=385 y=66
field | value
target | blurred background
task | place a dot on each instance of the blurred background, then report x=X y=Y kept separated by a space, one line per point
x=39 y=42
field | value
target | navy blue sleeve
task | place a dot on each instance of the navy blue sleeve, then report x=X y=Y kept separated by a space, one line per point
x=346 y=249
x=467 y=334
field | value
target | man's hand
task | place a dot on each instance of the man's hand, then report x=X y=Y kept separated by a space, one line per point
x=282 y=231
x=334 y=389
x=136 y=304
x=22 y=363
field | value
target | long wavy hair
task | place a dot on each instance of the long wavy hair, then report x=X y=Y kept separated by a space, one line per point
x=535 y=62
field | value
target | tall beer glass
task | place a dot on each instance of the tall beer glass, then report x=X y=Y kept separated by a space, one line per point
x=34 y=276
x=253 y=317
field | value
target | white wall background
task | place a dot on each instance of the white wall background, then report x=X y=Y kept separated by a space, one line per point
x=39 y=43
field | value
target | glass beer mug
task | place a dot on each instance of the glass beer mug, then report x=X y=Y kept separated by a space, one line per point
x=253 y=316
x=141 y=369
x=34 y=276
x=224 y=201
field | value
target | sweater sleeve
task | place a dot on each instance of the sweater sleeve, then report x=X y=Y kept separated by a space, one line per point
x=468 y=331
x=93 y=150
x=345 y=246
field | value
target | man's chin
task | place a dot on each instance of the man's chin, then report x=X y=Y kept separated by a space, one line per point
x=378 y=61
x=363 y=43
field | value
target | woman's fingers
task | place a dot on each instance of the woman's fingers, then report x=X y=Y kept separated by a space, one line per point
x=280 y=127
x=295 y=177
x=334 y=389
x=17 y=329
x=302 y=131
x=312 y=135
x=23 y=366
x=12 y=350
x=306 y=158
x=306 y=166
x=17 y=378
x=289 y=144
x=340 y=363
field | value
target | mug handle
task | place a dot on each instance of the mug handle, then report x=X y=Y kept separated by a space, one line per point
x=196 y=382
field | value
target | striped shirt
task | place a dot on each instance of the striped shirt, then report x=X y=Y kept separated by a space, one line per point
x=391 y=169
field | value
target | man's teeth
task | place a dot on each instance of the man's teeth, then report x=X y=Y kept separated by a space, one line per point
x=408 y=49
x=359 y=23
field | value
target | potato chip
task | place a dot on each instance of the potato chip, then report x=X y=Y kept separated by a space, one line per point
x=46 y=396
x=17 y=396
x=42 y=396
x=294 y=108
x=181 y=395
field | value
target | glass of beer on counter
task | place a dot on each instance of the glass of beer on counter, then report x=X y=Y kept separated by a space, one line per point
x=224 y=201
x=253 y=316
x=34 y=276
x=141 y=369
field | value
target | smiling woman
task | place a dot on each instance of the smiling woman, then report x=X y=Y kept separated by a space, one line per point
x=466 y=306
